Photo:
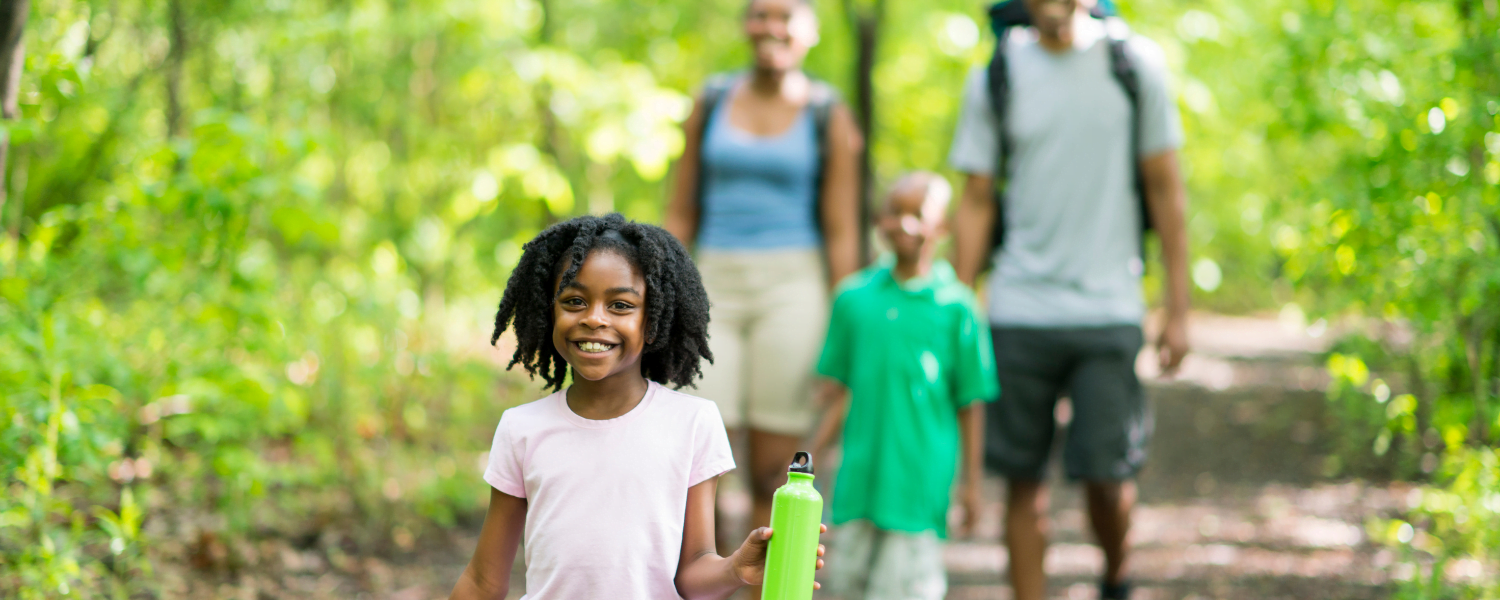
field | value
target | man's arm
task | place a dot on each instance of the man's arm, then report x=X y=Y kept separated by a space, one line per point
x=488 y=575
x=1166 y=197
x=973 y=226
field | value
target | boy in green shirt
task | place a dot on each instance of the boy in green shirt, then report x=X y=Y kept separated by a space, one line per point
x=911 y=357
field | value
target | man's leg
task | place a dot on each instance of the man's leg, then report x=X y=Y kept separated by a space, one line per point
x=1026 y=528
x=1110 y=503
x=1107 y=440
x=1018 y=438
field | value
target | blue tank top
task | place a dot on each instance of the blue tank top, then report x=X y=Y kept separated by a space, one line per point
x=759 y=192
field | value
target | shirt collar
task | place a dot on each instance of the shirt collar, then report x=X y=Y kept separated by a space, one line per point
x=1087 y=31
x=941 y=274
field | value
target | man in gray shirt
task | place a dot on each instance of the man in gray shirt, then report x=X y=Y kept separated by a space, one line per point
x=1065 y=298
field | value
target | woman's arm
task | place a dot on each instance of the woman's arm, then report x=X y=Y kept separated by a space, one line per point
x=488 y=575
x=840 y=196
x=682 y=210
x=704 y=575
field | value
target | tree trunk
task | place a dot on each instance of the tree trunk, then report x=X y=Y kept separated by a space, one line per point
x=12 y=62
x=175 y=59
x=866 y=25
x=1478 y=50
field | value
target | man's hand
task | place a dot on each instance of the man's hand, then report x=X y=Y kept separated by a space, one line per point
x=1172 y=345
x=968 y=506
x=749 y=562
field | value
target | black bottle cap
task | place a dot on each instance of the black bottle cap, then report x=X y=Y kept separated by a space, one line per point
x=801 y=463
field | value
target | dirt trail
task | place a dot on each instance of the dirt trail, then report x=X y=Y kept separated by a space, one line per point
x=1234 y=504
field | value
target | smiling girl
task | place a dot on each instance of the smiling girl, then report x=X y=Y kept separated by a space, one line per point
x=611 y=480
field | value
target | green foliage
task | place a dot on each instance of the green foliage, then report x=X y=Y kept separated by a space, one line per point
x=271 y=314
x=1366 y=138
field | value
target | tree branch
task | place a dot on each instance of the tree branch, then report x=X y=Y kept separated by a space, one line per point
x=866 y=29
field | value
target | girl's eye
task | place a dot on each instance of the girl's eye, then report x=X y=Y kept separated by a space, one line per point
x=621 y=306
x=572 y=302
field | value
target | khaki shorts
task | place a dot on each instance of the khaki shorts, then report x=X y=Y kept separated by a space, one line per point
x=869 y=563
x=769 y=316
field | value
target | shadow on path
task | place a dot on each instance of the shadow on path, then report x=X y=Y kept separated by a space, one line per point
x=1234 y=503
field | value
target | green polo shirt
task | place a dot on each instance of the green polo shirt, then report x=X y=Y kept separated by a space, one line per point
x=911 y=355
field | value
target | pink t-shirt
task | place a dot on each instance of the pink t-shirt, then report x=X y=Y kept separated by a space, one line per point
x=606 y=500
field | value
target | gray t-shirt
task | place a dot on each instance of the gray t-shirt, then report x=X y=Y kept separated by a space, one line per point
x=1072 y=244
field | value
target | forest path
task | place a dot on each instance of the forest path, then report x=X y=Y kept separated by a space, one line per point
x=1233 y=503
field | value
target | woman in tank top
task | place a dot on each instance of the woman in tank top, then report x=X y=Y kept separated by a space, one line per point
x=772 y=214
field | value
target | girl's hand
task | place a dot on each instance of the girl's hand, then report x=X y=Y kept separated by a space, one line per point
x=749 y=562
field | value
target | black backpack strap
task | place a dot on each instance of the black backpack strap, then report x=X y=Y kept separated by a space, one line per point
x=998 y=86
x=1123 y=67
x=1005 y=16
x=715 y=90
x=821 y=98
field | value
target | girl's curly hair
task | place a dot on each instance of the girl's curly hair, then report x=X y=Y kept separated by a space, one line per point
x=676 y=304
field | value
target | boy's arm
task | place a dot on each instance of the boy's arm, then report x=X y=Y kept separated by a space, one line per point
x=971 y=442
x=835 y=400
x=488 y=574
x=704 y=575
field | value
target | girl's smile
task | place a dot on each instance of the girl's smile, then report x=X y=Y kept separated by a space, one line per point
x=593 y=347
x=599 y=318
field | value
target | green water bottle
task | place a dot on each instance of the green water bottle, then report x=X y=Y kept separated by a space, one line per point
x=792 y=556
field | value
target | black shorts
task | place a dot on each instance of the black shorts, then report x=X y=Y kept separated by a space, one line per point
x=1095 y=367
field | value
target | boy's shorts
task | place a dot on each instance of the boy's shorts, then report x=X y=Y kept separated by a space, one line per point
x=1093 y=366
x=875 y=564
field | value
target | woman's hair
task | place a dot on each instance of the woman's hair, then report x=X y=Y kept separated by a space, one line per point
x=676 y=305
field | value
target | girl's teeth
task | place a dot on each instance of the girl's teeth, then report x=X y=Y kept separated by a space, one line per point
x=592 y=346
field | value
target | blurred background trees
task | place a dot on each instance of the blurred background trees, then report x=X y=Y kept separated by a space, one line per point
x=249 y=250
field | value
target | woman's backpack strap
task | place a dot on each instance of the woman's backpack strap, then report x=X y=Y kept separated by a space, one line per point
x=821 y=99
x=715 y=90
